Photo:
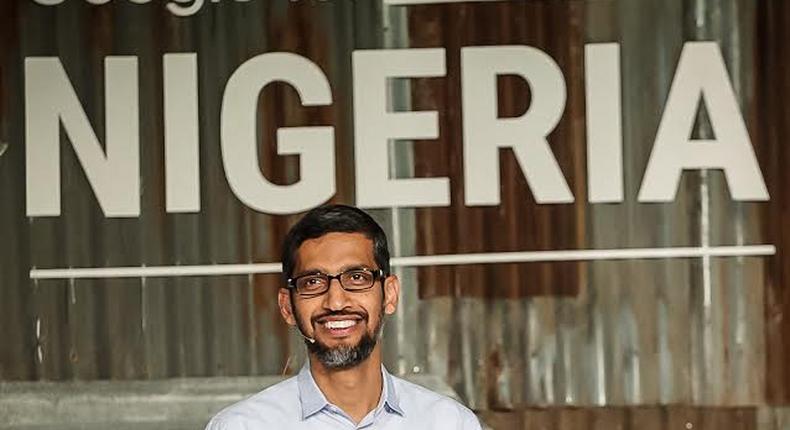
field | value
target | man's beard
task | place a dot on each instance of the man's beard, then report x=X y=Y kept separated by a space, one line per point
x=343 y=356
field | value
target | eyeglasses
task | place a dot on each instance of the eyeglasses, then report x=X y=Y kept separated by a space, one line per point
x=317 y=283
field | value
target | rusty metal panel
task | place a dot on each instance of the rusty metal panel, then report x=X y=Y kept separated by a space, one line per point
x=628 y=418
x=518 y=223
x=771 y=132
x=508 y=337
x=154 y=328
x=638 y=332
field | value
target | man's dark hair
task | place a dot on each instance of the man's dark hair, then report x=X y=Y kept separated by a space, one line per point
x=334 y=219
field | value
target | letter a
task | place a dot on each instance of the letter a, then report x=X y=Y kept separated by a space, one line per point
x=701 y=73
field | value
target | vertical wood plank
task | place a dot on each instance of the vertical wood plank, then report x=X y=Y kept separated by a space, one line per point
x=540 y=419
x=608 y=418
x=772 y=132
x=647 y=418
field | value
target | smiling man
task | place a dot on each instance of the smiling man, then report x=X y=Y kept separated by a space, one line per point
x=338 y=292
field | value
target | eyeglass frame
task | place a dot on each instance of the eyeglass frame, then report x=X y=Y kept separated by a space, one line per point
x=378 y=275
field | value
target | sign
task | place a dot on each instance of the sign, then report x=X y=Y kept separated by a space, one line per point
x=113 y=169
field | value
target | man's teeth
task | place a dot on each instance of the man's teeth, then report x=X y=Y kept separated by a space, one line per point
x=340 y=324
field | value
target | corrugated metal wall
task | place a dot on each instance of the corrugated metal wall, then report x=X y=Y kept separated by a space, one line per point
x=654 y=332
x=90 y=329
x=508 y=337
x=772 y=131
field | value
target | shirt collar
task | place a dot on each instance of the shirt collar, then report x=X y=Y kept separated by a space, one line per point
x=310 y=395
x=313 y=400
x=391 y=399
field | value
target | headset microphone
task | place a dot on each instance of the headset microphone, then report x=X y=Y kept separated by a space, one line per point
x=287 y=362
x=309 y=339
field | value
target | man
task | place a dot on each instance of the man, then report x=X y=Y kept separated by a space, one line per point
x=339 y=288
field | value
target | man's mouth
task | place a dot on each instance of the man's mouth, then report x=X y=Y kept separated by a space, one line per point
x=340 y=326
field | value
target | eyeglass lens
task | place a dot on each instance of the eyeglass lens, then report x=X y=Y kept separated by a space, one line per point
x=355 y=279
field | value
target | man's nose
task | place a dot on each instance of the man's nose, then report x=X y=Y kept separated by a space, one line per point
x=336 y=297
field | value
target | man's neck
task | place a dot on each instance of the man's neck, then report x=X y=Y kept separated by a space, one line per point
x=357 y=390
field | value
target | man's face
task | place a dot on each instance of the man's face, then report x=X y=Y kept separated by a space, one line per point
x=345 y=325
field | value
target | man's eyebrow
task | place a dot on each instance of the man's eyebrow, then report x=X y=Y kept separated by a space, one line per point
x=307 y=272
x=354 y=267
x=315 y=271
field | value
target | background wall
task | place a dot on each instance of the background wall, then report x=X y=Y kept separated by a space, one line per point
x=541 y=345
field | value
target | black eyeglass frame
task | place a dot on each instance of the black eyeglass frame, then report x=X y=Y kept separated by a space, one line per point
x=378 y=275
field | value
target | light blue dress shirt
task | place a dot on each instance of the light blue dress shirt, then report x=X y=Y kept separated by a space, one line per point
x=298 y=403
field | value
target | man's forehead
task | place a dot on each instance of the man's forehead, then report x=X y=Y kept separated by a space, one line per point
x=339 y=236
x=335 y=248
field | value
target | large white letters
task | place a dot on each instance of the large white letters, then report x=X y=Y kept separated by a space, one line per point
x=701 y=74
x=604 y=116
x=314 y=145
x=374 y=127
x=485 y=133
x=176 y=9
x=182 y=154
x=112 y=169
x=50 y=101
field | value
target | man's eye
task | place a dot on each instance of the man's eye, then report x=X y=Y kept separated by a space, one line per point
x=358 y=277
x=311 y=282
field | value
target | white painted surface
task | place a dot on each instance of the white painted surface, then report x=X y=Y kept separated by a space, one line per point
x=419 y=260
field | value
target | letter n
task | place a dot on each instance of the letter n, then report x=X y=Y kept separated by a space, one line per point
x=50 y=100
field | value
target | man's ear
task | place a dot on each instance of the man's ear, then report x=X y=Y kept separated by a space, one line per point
x=391 y=294
x=286 y=307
